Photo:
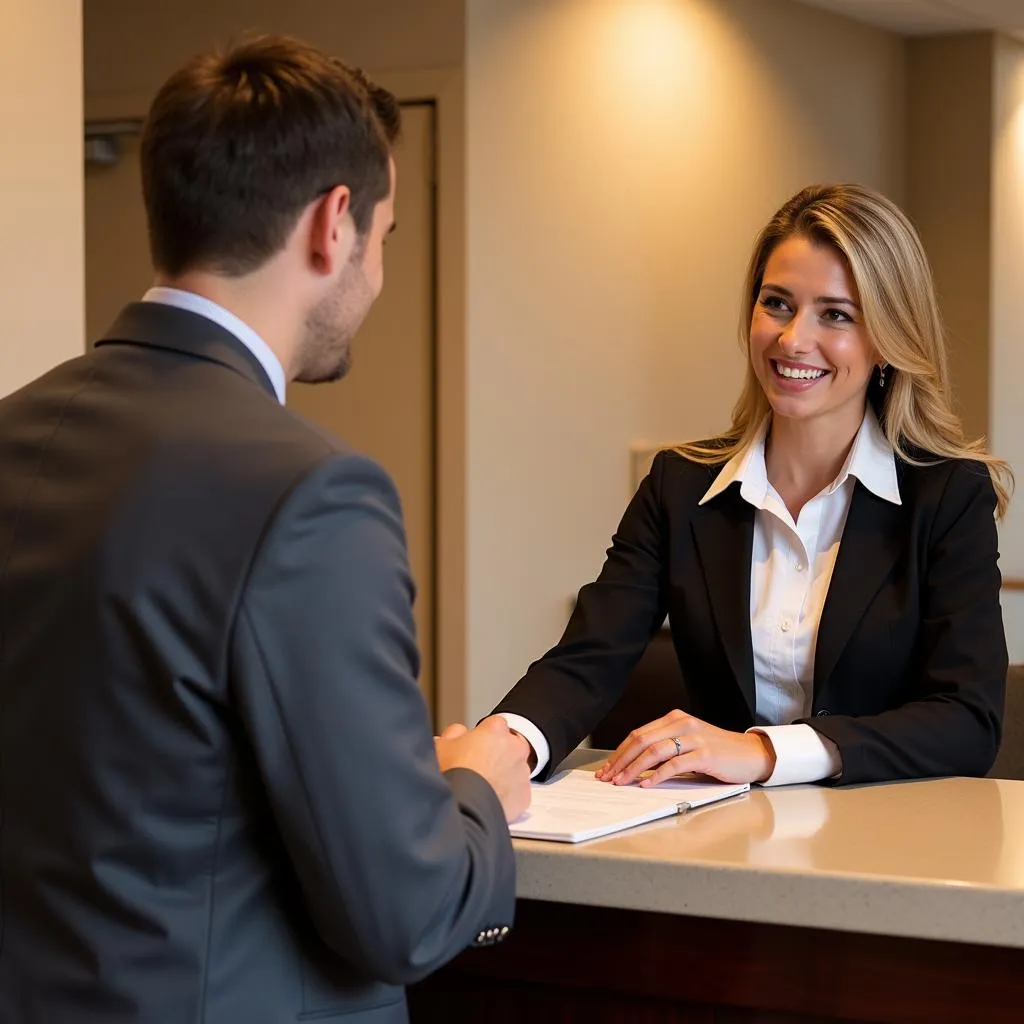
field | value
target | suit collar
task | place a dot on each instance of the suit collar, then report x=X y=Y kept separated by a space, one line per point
x=205 y=307
x=178 y=330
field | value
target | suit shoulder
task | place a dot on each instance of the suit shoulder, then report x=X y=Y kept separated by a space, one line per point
x=932 y=476
x=312 y=433
x=338 y=460
x=677 y=461
x=685 y=477
x=348 y=469
x=269 y=438
x=52 y=389
x=260 y=452
x=943 y=489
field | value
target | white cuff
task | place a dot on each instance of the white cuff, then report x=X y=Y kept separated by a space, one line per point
x=535 y=738
x=801 y=754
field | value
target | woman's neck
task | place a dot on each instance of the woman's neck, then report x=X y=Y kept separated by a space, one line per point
x=802 y=457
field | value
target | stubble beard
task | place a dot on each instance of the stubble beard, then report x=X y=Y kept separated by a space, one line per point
x=325 y=354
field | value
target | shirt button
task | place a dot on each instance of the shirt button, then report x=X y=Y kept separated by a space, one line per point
x=786 y=625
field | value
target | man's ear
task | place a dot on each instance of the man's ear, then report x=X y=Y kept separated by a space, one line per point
x=332 y=232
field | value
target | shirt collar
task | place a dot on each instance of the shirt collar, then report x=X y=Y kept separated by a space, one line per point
x=747 y=468
x=226 y=319
x=871 y=461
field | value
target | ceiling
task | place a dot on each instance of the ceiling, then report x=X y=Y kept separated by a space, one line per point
x=933 y=17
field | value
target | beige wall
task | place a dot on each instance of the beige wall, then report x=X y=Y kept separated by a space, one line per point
x=949 y=196
x=1007 y=312
x=621 y=156
x=41 y=261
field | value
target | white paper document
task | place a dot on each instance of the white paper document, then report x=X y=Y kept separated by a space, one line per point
x=575 y=806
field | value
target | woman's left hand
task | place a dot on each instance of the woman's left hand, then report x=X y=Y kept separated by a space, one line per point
x=678 y=743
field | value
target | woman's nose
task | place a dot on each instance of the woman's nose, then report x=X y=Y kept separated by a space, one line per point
x=798 y=335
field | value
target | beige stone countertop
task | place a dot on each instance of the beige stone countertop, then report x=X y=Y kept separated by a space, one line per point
x=932 y=859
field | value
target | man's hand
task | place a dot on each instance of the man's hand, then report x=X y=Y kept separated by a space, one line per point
x=495 y=752
x=681 y=743
x=451 y=732
x=531 y=754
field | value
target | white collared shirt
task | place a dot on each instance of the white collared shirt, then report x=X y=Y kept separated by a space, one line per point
x=791 y=568
x=224 y=318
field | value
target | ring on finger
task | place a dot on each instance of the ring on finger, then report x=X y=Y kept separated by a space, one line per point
x=679 y=749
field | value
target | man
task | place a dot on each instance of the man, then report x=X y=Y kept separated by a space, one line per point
x=220 y=797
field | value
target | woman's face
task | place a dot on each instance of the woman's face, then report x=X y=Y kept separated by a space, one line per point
x=808 y=344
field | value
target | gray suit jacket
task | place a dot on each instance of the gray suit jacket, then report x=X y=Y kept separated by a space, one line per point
x=219 y=795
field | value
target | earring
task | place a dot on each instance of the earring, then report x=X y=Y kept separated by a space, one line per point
x=881 y=376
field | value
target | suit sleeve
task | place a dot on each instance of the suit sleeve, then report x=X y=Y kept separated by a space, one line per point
x=568 y=691
x=952 y=723
x=401 y=867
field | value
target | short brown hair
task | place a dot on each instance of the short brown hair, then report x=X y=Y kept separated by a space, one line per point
x=238 y=143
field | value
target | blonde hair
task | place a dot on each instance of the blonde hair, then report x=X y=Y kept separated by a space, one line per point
x=901 y=314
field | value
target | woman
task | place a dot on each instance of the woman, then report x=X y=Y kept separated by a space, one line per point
x=828 y=566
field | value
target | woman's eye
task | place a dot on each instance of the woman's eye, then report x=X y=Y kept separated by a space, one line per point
x=774 y=303
x=837 y=316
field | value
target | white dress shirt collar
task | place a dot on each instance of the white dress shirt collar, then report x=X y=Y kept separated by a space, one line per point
x=871 y=461
x=231 y=323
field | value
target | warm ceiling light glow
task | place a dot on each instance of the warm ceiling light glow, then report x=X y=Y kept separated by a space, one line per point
x=650 y=43
x=647 y=65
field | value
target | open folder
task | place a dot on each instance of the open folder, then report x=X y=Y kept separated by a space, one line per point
x=574 y=805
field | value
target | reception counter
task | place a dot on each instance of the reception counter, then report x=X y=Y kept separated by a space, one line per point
x=902 y=902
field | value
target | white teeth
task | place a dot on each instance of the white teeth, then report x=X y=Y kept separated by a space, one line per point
x=794 y=374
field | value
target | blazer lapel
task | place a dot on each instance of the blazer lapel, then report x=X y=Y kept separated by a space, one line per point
x=723 y=531
x=870 y=545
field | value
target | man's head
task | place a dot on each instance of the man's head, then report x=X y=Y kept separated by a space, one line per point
x=267 y=173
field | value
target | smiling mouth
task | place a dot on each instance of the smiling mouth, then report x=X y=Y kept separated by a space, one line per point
x=801 y=373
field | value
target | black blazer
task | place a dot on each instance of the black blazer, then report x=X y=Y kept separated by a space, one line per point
x=218 y=790
x=910 y=664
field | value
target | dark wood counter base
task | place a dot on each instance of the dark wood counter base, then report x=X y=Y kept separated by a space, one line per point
x=567 y=963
